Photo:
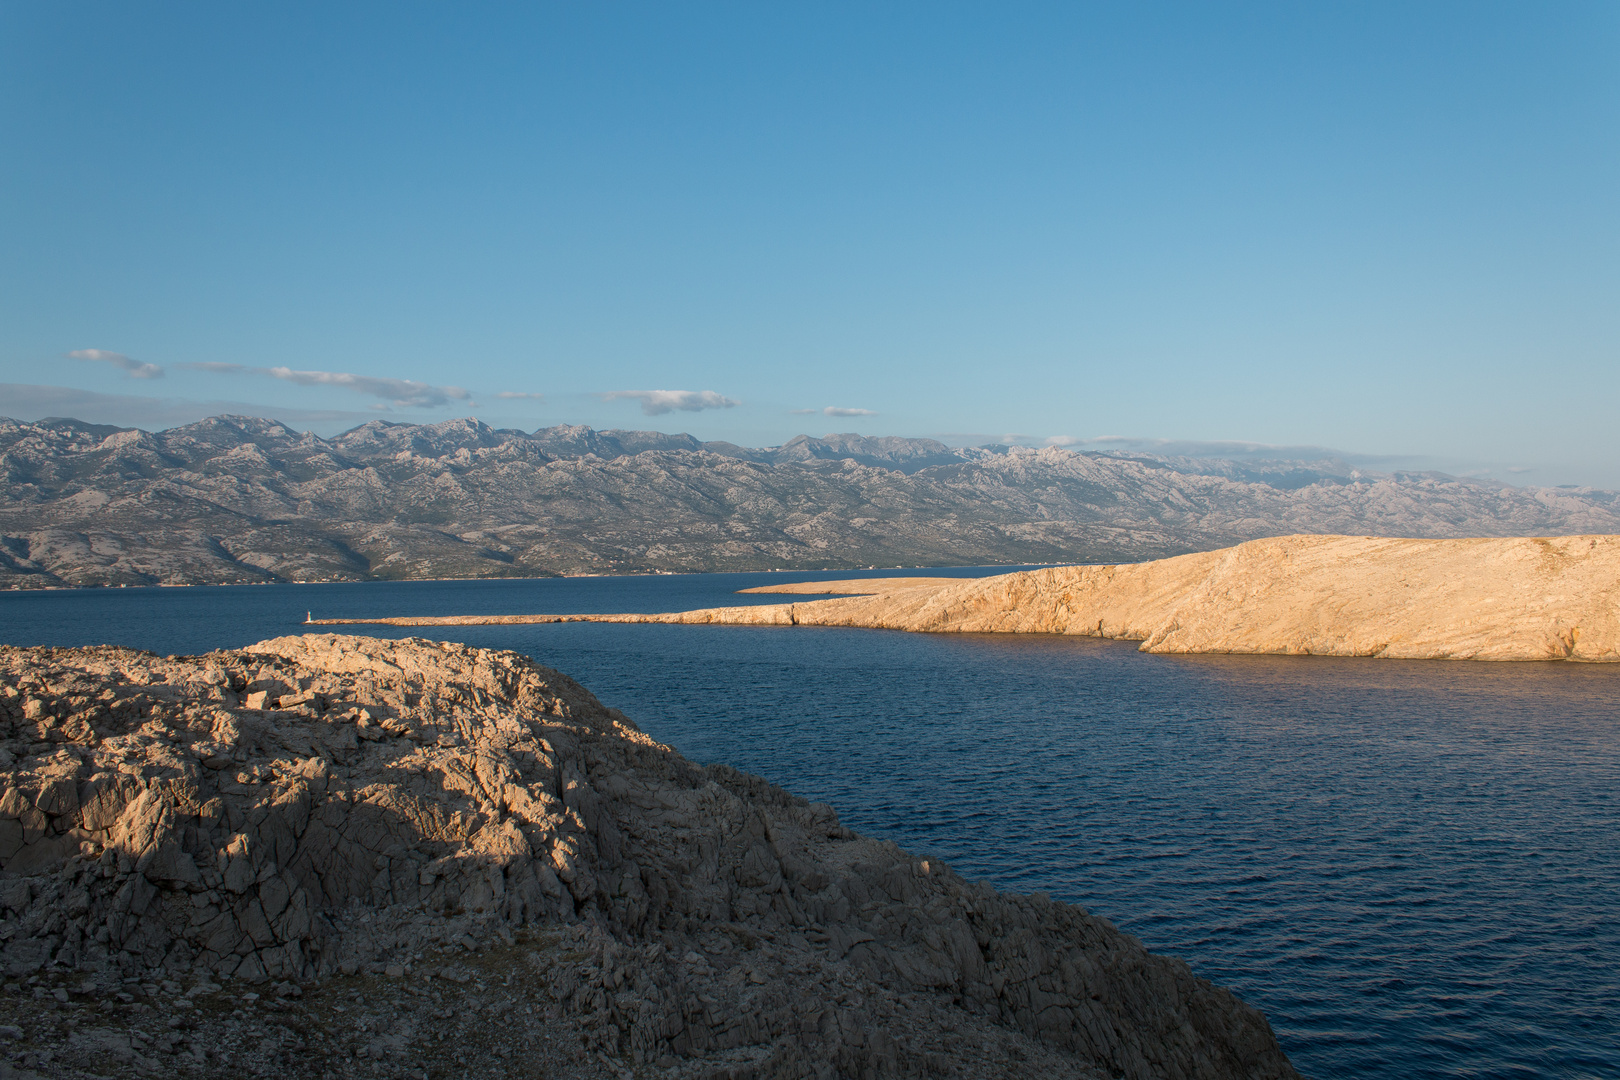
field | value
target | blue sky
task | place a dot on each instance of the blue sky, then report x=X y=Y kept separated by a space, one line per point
x=1392 y=229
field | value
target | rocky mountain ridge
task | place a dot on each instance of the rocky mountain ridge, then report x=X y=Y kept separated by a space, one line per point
x=240 y=500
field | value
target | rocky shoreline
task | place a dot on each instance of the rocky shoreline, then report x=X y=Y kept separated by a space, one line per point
x=1552 y=598
x=328 y=855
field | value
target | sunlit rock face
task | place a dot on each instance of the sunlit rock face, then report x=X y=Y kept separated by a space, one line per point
x=1479 y=599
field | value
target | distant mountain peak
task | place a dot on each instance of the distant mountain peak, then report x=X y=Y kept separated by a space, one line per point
x=237 y=499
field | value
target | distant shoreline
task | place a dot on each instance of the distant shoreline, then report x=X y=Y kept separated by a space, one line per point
x=1475 y=599
x=16 y=588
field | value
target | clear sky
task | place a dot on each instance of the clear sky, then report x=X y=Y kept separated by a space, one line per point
x=1392 y=229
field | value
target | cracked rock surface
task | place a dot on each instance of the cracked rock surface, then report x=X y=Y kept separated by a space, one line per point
x=330 y=855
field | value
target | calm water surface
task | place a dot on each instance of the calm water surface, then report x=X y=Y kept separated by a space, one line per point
x=1412 y=867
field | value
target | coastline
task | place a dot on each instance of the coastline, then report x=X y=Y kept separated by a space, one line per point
x=414 y=814
x=1479 y=599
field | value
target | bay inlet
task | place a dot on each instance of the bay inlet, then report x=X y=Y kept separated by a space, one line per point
x=1410 y=866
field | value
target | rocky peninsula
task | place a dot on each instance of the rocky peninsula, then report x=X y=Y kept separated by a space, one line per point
x=339 y=856
x=1479 y=599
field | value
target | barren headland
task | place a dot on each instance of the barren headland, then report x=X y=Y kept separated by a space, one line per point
x=1479 y=599
x=337 y=856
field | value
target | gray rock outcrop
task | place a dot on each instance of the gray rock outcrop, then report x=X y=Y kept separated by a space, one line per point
x=317 y=807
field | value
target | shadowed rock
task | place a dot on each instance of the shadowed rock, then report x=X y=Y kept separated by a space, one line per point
x=313 y=806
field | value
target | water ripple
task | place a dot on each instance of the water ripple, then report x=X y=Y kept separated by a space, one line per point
x=1412 y=867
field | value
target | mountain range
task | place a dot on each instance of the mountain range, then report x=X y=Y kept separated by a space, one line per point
x=236 y=499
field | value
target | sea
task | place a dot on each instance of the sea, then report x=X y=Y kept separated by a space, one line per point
x=1413 y=867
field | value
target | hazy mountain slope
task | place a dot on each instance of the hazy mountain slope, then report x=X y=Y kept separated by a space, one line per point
x=237 y=499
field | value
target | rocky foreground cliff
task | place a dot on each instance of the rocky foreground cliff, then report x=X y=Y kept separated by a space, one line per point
x=1478 y=599
x=240 y=500
x=336 y=856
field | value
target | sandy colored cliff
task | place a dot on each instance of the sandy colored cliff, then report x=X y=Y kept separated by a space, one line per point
x=1484 y=599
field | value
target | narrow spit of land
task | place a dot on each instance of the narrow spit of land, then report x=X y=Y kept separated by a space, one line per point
x=1480 y=599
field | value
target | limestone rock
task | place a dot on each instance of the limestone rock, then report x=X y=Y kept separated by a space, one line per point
x=1482 y=599
x=706 y=916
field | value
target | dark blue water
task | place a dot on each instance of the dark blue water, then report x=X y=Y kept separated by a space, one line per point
x=1413 y=867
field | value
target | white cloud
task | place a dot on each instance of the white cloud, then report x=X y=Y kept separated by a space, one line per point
x=406 y=393
x=32 y=402
x=831 y=410
x=657 y=402
x=518 y=395
x=135 y=369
